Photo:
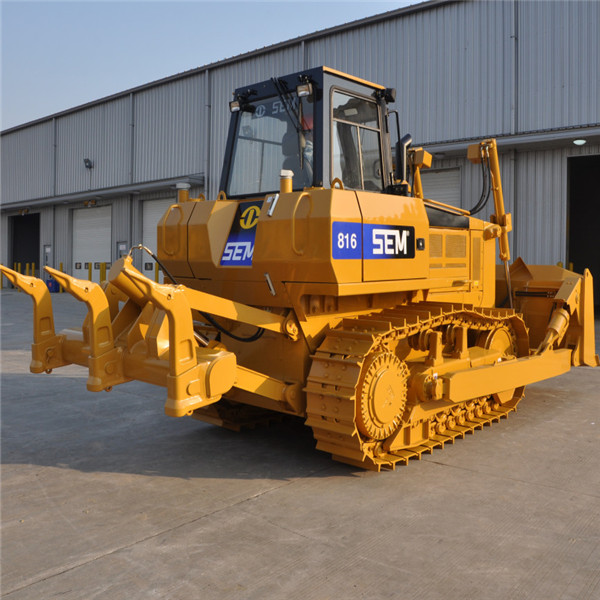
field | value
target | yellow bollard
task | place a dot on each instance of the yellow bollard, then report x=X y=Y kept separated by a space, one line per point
x=60 y=287
x=570 y=266
x=33 y=269
x=156 y=272
x=559 y=264
x=102 y=272
x=90 y=265
x=27 y=269
x=19 y=267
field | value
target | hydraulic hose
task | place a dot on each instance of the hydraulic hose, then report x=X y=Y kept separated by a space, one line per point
x=487 y=183
x=252 y=338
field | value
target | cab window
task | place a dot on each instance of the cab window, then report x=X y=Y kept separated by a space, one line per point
x=272 y=136
x=356 y=148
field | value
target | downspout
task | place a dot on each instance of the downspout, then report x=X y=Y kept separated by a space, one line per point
x=131 y=138
x=208 y=124
x=55 y=155
x=514 y=36
x=133 y=212
x=54 y=190
x=303 y=52
x=514 y=117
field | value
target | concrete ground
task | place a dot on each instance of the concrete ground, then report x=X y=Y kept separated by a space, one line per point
x=104 y=497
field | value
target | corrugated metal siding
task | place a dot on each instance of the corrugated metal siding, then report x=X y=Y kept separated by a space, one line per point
x=559 y=63
x=138 y=204
x=46 y=233
x=453 y=66
x=121 y=224
x=152 y=213
x=100 y=133
x=541 y=206
x=171 y=194
x=472 y=182
x=169 y=126
x=447 y=64
x=587 y=150
x=541 y=209
x=28 y=163
x=443 y=185
x=224 y=81
x=63 y=237
x=4 y=254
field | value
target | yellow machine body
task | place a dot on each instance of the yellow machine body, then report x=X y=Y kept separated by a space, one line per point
x=377 y=315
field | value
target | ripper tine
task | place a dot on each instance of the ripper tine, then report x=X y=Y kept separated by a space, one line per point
x=104 y=362
x=46 y=350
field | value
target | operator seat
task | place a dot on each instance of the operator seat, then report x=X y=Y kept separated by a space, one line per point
x=303 y=176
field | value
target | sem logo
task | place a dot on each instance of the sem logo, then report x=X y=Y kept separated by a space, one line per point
x=389 y=241
x=239 y=248
x=238 y=253
x=249 y=217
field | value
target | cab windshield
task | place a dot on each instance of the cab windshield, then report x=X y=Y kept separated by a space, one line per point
x=272 y=134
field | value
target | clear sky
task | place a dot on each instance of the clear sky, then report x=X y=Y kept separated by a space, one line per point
x=57 y=55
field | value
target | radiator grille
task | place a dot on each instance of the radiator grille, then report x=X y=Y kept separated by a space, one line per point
x=435 y=245
x=456 y=246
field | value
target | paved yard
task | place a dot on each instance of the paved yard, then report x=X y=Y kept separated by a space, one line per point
x=104 y=497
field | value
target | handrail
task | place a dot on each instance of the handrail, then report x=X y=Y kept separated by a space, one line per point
x=302 y=195
x=176 y=247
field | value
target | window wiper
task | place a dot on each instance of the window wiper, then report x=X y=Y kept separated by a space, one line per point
x=293 y=114
x=288 y=104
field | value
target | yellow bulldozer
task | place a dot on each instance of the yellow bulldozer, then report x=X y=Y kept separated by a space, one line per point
x=322 y=283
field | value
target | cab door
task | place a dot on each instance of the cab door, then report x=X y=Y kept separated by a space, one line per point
x=394 y=228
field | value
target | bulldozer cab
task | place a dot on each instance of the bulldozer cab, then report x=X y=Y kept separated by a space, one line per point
x=325 y=127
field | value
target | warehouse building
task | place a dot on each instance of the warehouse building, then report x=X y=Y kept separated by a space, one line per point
x=84 y=185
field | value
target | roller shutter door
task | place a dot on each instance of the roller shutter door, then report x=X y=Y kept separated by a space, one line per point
x=443 y=186
x=152 y=212
x=91 y=240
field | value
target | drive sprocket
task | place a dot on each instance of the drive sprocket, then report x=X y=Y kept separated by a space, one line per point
x=381 y=395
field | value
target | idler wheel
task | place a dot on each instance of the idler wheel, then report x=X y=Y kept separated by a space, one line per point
x=500 y=339
x=381 y=395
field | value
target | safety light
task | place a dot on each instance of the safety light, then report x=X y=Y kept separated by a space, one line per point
x=304 y=89
x=579 y=142
x=235 y=106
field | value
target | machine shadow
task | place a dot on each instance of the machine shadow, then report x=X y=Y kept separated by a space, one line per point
x=53 y=422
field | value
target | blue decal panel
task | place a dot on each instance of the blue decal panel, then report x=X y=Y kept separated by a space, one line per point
x=239 y=248
x=369 y=241
x=388 y=241
x=346 y=240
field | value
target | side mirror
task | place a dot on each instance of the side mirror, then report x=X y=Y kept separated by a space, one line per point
x=401 y=158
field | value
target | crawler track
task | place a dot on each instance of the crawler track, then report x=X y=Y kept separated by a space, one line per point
x=361 y=398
